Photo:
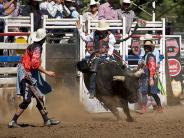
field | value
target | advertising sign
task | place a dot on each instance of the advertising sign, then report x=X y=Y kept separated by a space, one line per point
x=173 y=44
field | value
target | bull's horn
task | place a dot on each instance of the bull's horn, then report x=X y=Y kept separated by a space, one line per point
x=139 y=72
x=118 y=78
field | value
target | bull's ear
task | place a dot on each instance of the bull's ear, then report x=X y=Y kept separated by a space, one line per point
x=118 y=78
x=139 y=72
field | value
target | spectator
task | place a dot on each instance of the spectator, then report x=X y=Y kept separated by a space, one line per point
x=58 y=9
x=129 y=14
x=6 y=8
x=93 y=11
x=43 y=7
x=17 y=10
x=72 y=7
x=126 y=12
x=50 y=8
x=92 y=14
x=33 y=7
x=107 y=11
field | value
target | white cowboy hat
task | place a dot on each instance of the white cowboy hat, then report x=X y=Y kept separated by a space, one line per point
x=93 y=2
x=70 y=0
x=102 y=25
x=125 y=1
x=38 y=35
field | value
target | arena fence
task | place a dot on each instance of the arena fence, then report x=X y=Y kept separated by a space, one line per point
x=8 y=61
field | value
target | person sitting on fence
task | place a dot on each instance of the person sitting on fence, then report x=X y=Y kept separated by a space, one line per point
x=30 y=82
x=103 y=48
x=147 y=81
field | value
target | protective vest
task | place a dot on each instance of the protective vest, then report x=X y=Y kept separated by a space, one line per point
x=151 y=67
x=146 y=57
x=100 y=45
x=26 y=59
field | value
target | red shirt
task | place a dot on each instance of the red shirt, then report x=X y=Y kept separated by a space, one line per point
x=31 y=60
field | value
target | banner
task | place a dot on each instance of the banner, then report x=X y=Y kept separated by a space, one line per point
x=173 y=44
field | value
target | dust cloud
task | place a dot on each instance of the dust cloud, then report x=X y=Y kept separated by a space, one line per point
x=65 y=105
x=61 y=104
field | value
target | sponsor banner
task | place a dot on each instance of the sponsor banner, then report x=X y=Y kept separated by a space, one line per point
x=173 y=44
x=174 y=67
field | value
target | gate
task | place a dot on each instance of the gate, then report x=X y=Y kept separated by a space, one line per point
x=62 y=53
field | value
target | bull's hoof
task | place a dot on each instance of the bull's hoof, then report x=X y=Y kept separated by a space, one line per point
x=130 y=119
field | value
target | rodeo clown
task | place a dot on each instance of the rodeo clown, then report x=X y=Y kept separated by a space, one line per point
x=30 y=82
x=147 y=82
x=103 y=47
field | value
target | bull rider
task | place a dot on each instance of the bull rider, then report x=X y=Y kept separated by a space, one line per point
x=103 y=47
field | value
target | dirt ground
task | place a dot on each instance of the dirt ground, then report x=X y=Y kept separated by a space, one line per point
x=77 y=123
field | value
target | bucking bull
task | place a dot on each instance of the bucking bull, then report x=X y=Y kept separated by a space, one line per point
x=115 y=86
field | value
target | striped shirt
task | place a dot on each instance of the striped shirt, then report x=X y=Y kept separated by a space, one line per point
x=107 y=12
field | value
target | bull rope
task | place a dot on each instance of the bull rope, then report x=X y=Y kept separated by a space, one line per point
x=118 y=56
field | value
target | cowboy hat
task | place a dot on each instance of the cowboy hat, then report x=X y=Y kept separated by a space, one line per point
x=148 y=43
x=125 y=1
x=93 y=2
x=38 y=35
x=70 y=0
x=102 y=25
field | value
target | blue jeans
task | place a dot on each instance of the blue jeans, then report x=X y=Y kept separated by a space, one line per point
x=95 y=63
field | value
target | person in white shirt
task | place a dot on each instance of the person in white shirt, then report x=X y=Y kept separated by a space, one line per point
x=43 y=7
x=57 y=9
